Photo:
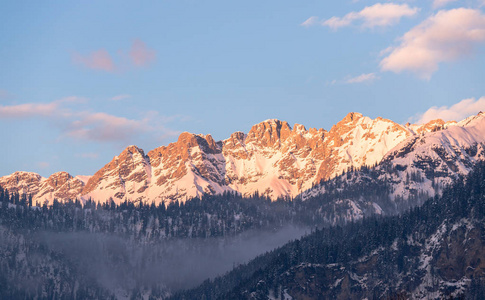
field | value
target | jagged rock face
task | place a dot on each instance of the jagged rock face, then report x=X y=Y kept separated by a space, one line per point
x=357 y=141
x=21 y=182
x=127 y=174
x=273 y=159
x=60 y=186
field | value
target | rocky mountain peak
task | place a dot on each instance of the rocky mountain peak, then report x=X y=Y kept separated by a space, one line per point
x=58 y=179
x=351 y=117
x=237 y=137
x=188 y=140
x=21 y=182
x=299 y=128
x=132 y=149
x=269 y=133
x=431 y=126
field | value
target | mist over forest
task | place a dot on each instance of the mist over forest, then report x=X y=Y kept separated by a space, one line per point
x=121 y=265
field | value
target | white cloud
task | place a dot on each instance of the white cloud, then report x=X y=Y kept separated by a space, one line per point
x=377 y=15
x=446 y=36
x=88 y=125
x=456 y=112
x=369 y=77
x=441 y=3
x=310 y=22
x=120 y=97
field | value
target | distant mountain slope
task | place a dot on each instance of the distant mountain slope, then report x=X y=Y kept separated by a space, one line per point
x=273 y=159
x=417 y=168
x=436 y=251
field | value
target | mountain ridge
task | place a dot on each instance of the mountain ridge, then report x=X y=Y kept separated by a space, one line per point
x=272 y=159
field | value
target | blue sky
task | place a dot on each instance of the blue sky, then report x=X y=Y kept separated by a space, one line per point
x=81 y=81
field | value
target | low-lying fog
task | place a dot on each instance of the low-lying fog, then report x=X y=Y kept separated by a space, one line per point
x=120 y=264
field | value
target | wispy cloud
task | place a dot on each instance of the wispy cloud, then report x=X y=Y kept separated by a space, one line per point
x=456 y=112
x=441 y=3
x=89 y=125
x=43 y=165
x=139 y=55
x=362 y=78
x=311 y=21
x=102 y=127
x=98 y=60
x=369 y=77
x=377 y=15
x=120 y=97
x=445 y=36
x=27 y=110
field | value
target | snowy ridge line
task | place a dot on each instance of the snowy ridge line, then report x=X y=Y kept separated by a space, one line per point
x=275 y=160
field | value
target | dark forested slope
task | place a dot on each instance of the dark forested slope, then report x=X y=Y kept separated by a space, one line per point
x=431 y=252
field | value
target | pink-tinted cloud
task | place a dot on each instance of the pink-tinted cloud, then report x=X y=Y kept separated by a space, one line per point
x=446 y=36
x=105 y=127
x=140 y=55
x=456 y=112
x=98 y=60
x=377 y=15
x=28 y=110
x=369 y=77
x=310 y=21
x=88 y=125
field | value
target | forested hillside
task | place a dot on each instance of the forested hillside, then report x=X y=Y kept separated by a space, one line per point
x=434 y=251
x=124 y=250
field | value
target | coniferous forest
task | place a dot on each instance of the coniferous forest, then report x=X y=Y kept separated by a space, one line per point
x=434 y=251
x=91 y=250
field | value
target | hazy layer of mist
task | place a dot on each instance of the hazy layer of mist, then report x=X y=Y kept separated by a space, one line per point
x=121 y=265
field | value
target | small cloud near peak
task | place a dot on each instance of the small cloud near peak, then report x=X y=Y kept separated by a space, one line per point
x=456 y=112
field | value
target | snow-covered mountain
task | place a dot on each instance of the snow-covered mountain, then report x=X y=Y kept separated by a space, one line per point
x=273 y=159
x=414 y=170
